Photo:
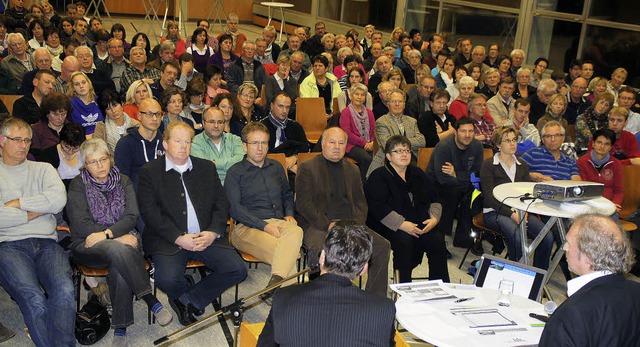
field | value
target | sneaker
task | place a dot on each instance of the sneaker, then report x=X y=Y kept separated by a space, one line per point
x=163 y=317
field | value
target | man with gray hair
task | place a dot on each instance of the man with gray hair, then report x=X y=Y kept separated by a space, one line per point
x=42 y=61
x=34 y=269
x=517 y=58
x=546 y=88
x=246 y=69
x=14 y=66
x=477 y=56
x=603 y=306
x=138 y=70
x=99 y=78
x=349 y=316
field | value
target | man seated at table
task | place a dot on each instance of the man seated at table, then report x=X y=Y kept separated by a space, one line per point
x=222 y=148
x=603 y=306
x=547 y=162
x=185 y=212
x=451 y=165
x=329 y=189
x=261 y=203
x=331 y=309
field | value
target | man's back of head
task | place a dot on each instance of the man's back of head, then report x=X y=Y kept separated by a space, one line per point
x=347 y=250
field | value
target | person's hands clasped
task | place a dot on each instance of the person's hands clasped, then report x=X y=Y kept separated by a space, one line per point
x=272 y=229
x=94 y=238
x=291 y=220
x=128 y=239
x=429 y=224
x=448 y=169
x=204 y=239
x=187 y=241
x=410 y=228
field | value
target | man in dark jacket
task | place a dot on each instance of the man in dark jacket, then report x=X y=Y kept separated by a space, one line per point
x=246 y=65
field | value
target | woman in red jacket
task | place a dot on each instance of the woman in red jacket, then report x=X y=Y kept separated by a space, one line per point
x=601 y=167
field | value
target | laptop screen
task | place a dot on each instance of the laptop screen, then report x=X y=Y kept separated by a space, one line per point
x=528 y=281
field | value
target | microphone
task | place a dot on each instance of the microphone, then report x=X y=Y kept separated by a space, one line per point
x=550 y=307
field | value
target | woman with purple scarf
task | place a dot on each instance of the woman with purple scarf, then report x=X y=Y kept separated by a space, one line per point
x=359 y=124
x=103 y=211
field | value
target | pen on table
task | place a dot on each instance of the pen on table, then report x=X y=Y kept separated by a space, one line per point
x=463 y=300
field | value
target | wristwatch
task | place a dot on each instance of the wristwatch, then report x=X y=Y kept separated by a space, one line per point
x=106 y=234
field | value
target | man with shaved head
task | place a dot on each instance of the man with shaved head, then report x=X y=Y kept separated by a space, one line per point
x=69 y=65
x=318 y=214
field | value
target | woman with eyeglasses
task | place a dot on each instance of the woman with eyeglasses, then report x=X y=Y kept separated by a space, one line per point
x=403 y=208
x=505 y=167
x=247 y=93
x=117 y=121
x=103 y=212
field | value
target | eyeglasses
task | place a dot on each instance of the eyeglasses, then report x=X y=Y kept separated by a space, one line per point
x=26 y=141
x=102 y=161
x=258 y=143
x=514 y=140
x=553 y=136
x=401 y=151
x=213 y=122
x=151 y=114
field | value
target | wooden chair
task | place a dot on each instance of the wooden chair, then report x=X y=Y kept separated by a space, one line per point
x=248 y=258
x=631 y=196
x=8 y=101
x=263 y=96
x=487 y=153
x=424 y=154
x=407 y=87
x=306 y=156
x=280 y=158
x=310 y=113
x=336 y=108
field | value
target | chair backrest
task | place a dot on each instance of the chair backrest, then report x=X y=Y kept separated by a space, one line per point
x=407 y=87
x=310 y=113
x=487 y=153
x=424 y=154
x=336 y=109
x=8 y=101
x=305 y=156
x=263 y=96
x=280 y=158
x=631 y=190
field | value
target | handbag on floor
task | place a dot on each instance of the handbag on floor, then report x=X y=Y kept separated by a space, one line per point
x=92 y=322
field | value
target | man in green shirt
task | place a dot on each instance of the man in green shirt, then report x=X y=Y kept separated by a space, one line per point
x=224 y=149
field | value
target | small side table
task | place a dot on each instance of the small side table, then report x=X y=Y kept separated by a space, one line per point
x=281 y=6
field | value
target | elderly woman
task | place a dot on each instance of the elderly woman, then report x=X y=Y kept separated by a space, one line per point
x=117 y=121
x=359 y=124
x=403 y=208
x=281 y=81
x=64 y=155
x=491 y=80
x=355 y=75
x=504 y=167
x=103 y=212
x=458 y=107
x=172 y=101
x=138 y=91
x=328 y=42
x=523 y=89
x=601 y=167
x=594 y=118
x=415 y=62
x=56 y=109
x=340 y=69
x=396 y=123
x=251 y=112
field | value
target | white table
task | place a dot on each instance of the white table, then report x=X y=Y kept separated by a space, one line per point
x=510 y=193
x=281 y=6
x=434 y=323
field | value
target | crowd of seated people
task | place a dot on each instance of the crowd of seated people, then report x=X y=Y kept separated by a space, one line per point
x=117 y=121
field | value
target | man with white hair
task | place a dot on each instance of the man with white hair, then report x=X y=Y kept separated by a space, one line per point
x=616 y=82
x=602 y=302
x=477 y=56
x=546 y=88
x=517 y=58
x=138 y=69
x=14 y=66
x=99 y=78
x=42 y=61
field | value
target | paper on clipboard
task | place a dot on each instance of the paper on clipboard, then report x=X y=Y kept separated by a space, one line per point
x=423 y=291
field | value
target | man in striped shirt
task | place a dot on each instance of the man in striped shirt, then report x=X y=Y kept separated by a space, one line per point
x=547 y=162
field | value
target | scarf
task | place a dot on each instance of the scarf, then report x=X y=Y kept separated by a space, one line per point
x=361 y=120
x=281 y=137
x=595 y=121
x=106 y=200
x=599 y=163
x=113 y=135
x=55 y=51
x=194 y=108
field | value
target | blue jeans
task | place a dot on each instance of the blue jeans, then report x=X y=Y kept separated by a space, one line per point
x=511 y=234
x=227 y=269
x=26 y=268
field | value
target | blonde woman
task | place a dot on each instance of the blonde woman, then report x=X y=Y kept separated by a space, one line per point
x=396 y=77
x=83 y=101
x=138 y=91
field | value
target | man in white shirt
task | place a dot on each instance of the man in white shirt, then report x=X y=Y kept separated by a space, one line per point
x=602 y=304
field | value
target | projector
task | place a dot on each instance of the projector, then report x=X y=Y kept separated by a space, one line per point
x=567 y=190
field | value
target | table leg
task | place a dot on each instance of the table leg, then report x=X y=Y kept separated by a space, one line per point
x=527 y=249
x=282 y=24
x=523 y=237
x=556 y=259
x=269 y=9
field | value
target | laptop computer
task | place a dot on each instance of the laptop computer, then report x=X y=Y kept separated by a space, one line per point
x=528 y=280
